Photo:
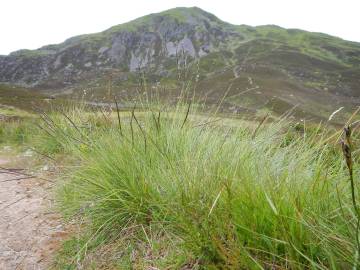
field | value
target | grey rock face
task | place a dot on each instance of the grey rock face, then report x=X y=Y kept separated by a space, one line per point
x=171 y=48
x=118 y=50
x=57 y=62
x=103 y=49
x=204 y=50
x=187 y=46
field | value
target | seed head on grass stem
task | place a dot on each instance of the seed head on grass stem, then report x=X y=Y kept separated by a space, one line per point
x=347 y=132
x=347 y=155
x=346 y=148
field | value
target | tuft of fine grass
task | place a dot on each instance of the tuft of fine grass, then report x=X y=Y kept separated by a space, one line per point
x=230 y=194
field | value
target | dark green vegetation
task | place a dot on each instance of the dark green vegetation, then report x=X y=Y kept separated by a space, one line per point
x=19 y=97
x=13 y=98
x=187 y=191
x=268 y=67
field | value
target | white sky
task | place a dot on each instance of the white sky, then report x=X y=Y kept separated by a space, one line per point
x=33 y=23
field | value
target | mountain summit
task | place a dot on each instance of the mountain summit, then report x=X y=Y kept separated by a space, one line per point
x=282 y=63
x=149 y=40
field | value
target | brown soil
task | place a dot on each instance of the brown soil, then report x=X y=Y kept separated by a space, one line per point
x=30 y=231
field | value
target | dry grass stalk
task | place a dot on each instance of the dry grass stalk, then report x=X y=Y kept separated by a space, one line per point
x=346 y=148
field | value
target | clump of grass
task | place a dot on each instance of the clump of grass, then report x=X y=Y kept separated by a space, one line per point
x=16 y=131
x=234 y=196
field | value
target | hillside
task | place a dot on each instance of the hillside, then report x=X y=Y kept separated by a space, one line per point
x=267 y=66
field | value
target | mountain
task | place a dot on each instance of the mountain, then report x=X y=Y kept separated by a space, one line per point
x=266 y=66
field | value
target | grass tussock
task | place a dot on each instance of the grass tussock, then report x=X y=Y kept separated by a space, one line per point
x=176 y=190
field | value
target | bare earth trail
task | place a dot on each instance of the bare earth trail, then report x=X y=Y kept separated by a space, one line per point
x=29 y=231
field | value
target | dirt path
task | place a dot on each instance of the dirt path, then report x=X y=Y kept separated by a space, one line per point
x=29 y=231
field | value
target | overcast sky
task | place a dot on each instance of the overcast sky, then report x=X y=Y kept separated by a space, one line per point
x=33 y=23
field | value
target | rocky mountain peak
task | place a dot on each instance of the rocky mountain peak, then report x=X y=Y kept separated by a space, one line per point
x=146 y=41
